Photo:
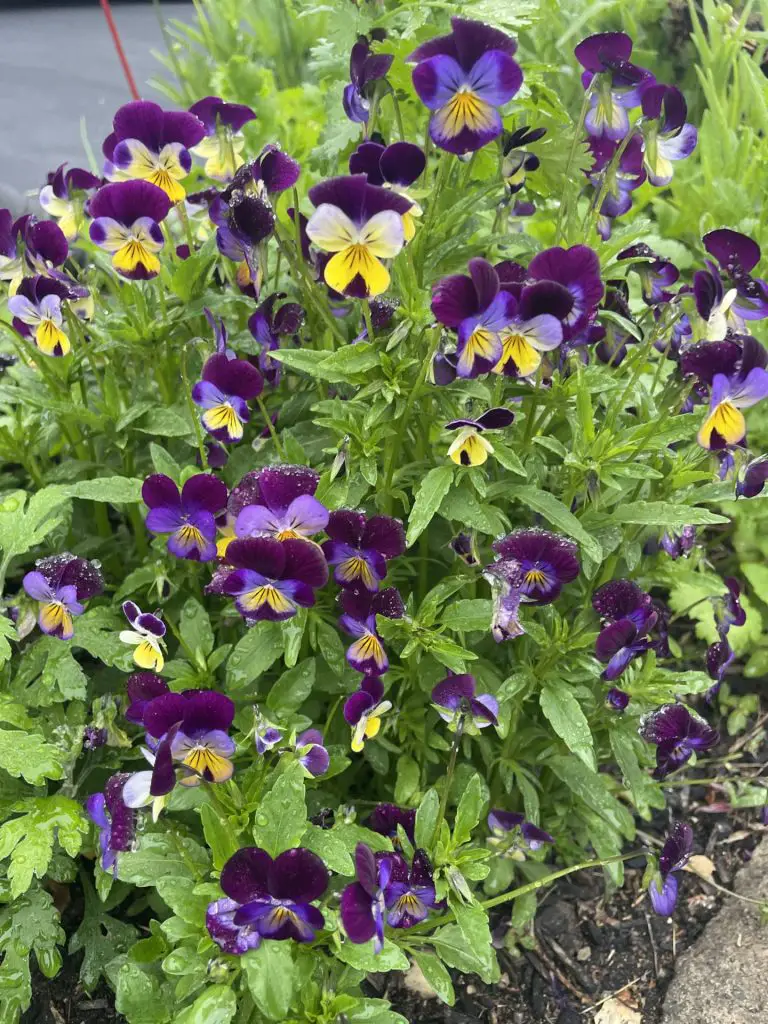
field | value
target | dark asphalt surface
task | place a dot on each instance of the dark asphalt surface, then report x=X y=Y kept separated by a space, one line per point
x=58 y=65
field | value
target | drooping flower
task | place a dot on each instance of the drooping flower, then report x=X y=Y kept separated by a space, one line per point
x=267 y=899
x=518 y=162
x=677 y=734
x=268 y=325
x=666 y=134
x=656 y=273
x=454 y=699
x=143 y=687
x=737 y=255
x=360 y=607
x=464 y=78
x=719 y=657
x=619 y=86
x=728 y=610
x=361 y=225
x=188 y=516
x=470 y=446
x=360 y=547
x=27 y=241
x=547 y=561
x=60 y=584
x=396 y=166
x=463 y=546
x=678 y=543
x=226 y=387
x=271 y=578
x=145 y=636
x=63 y=195
x=725 y=424
x=115 y=821
x=673 y=857
x=385 y=818
x=265 y=734
x=618 y=179
x=365 y=69
x=224 y=142
x=126 y=224
x=506 y=577
x=751 y=480
x=363 y=710
x=312 y=754
x=621 y=642
x=512 y=827
x=152 y=144
x=38 y=313
x=578 y=271
x=617 y=699
x=279 y=502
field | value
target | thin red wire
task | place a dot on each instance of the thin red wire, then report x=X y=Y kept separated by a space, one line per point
x=119 y=47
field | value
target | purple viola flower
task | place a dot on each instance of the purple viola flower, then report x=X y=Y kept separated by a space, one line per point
x=518 y=162
x=39 y=244
x=463 y=546
x=268 y=325
x=478 y=310
x=616 y=699
x=270 y=578
x=126 y=224
x=667 y=136
x=265 y=734
x=737 y=255
x=621 y=642
x=464 y=78
x=619 y=85
x=38 y=313
x=360 y=607
x=360 y=547
x=512 y=827
x=728 y=610
x=278 y=502
x=673 y=857
x=145 y=636
x=656 y=273
x=142 y=688
x=188 y=516
x=365 y=69
x=361 y=225
x=397 y=167
x=620 y=599
x=454 y=698
x=312 y=754
x=547 y=561
x=223 y=144
x=677 y=734
x=471 y=447
x=506 y=578
x=152 y=144
x=62 y=197
x=60 y=584
x=363 y=711
x=578 y=270
x=223 y=393
x=385 y=818
x=115 y=821
x=719 y=658
x=678 y=543
x=751 y=480
x=535 y=328
x=195 y=723
x=725 y=425
x=94 y=737
x=623 y=178
x=410 y=893
x=267 y=899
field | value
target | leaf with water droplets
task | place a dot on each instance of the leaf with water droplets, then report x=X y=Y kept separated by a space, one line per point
x=281 y=818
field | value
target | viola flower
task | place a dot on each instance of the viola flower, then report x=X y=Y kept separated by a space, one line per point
x=279 y=503
x=678 y=543
x=38 y=313
x=725 y=424
x=656 y=273
x=363 y=711
x=673 y=857
x=268 y=325
x=265 y=734
x=547 y=561
x=10 y=255
x=195 y=724
x=454 y=699
x=667 y=136
x=60 y=584
x=463 y=546
x=142 y=688
x=115 y=821
x=367 y=654
x=464 y=78
x=385 y=818
x=223 y=393
x=365 y=69
x=622 y=180
x=152 y=144
x=27 y=241
x=189 y=516
x=619 y=84
x=410 y=894
x=271 y=578
x=62 y=197
x=518 y=162
x=145 y=636
x=360 y=547
x=361 y=225
x=751 y=480
x=737 y=255
x=578 y=271
x=396 y=166
x=617 y=699
x=621 y=642
x=512 y=826
x=506 y=578
x=470 y=447
x=677 y=734
x=267 y=899
x=727 y=609
x=536 y=327
x=620 y=599
x=224 y=142
x=126 y=224
x=478 y=310
x=313 y=756
x=719 y=657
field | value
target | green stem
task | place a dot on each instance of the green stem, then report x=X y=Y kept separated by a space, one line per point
x=443 y=171
x=568 y=188
x=193 y=411
x=367 y=317
x=270 y=426
x=448 y=779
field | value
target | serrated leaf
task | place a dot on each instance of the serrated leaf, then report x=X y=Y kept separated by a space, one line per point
x=28 y=756
x=100 y=937
x=566 y=717
x=665 y=514
x=29 y=839
x=427 y=501
x=257 y=651
x=329 y=846
x=162 y=855
x=363 y=957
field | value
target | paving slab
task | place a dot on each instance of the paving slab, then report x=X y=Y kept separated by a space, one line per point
x=721 y=979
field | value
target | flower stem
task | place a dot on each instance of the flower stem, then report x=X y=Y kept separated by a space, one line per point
x=193 y=411
x=367 y=317
x=270 y=426
x=577 y=137
x=448 y=779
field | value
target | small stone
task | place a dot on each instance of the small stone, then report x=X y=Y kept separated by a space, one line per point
x=583 y=954
x=470 y=990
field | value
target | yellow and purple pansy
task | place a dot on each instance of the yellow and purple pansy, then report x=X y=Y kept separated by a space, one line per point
x=518 y=162
x=617 y=85
x=725 y=425
x=363 y=711
x=38 y=314
x=126 y=224
x=63 y=196
x=747 y=297
x=455 y=699
x=152 y=144
x=361 y=225
x=145 y=636
x=279 y=502
x=223 y=394
x=224 y=141
x=189 y=516
x=470 y=447
x=396 y=166
x=360 y=547
x=463 y=78
x=39 y=245
x=195 y=723
x=360 y=607
x=60 y=584
x=666 y=134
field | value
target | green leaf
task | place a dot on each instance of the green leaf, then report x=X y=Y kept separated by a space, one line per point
x=281 y=818
x=666 y=514
x=183 y=901
x=508 y=459
x=472 y=614
x=346 y=364
x=270 y=973
x=7 y=632
x=257 y=651
x=473 y=923
x=460 y=505
x=29 y=840
x=363 y=958
x=100 y=937
x=29 y=923
x=330 y=848
x=590 y=787
x=219 y=836
x=139 y=998
x=166 y=422
x=436 y=975
x=645 y=793
x=163 y=855
x=432 y=489
x=117 y=489
x=408 y=778
x=195 y=627
x=426 y=818
x=452 y=947
x=565 y=716
x=555 y=512
x=293 y=687
x=20 y=528
x=28 y=756
x=468 y=812
x=217 y=1005
x=163 y=462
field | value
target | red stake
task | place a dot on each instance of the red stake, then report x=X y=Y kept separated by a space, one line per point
x=119 y=47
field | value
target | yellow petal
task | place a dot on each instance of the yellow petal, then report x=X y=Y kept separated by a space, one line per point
x=223 y=417
x=470 y=448
x=49 y=338
x=146 y=655
x=372 y=727
x=134 y=253
x=464 y=110
x=356 y=260
x=517 y=348
x=729 y=423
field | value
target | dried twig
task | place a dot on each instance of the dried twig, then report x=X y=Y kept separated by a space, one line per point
x=612 y=995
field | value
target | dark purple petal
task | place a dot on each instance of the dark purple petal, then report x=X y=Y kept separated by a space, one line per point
x=204 y=491
x=484 y=708
x=264 y=555
x=244 y=876
x=205 y=711
x=278 y=170
x=616 y=638
x=618 y=599
x=299 y=875
x=373 y=686
x=534 y=836
x=356 y=106
x=709 y=358
x=617 y=699
x=357 y=913
x=127 y=201
x=253 y=217
x=346 y=526
x=122 y=818
x=366 y=869
x=664 y=901
x=545 y=297
x=485 y=281
x=732 y=250
x=454 y=299
x=667 y=723
x=280 y=485
x=142 y=687
x=163 y=772
x=151 y=623
x=159 y=491
x=385 y=818
x=85 y=576
x=677 y=848
x=599 y=51
x=212 y=110
x=753 y=479
x=304 y=561
x=233 y=376
x=453 y=690
x=365 y=160
x=402 y=163
x=356 y=706
x=384 y=535
x=44 y=238
x=162 y=713
x=474 y=38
